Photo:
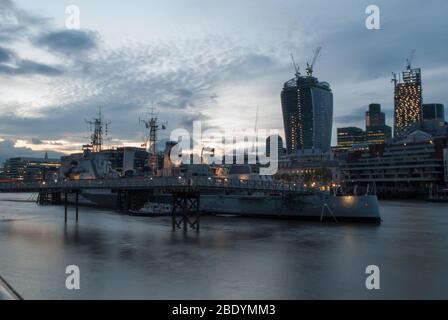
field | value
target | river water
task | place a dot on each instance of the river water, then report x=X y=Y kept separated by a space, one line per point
x=122 y=257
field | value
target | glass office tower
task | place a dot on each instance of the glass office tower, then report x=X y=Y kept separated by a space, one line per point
x=307 y=106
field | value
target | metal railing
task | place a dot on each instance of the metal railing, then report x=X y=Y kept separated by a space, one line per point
x=155 y=183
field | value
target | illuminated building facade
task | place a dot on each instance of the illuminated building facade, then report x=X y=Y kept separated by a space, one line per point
x=307 y=106
x=378 y=134
x=376 y=129
x=309 y=165
x=349 y=136
x=31 y=169
x=405 y=167
x=408 y=102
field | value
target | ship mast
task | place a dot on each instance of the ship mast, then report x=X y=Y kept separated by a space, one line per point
x=151 y=141
x=97 y=125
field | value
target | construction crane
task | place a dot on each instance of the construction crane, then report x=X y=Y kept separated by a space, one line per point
x=296 y=68
x=409 y=59
x=394 y=79
x=309 y=67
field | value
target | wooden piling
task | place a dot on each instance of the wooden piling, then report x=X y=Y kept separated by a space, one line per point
x=65 y=206
x=77 y=206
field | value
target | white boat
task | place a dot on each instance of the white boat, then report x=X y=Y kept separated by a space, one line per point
x=153 y=209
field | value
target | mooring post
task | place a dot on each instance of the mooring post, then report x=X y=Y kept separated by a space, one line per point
x=185 y=211
x=65 y=206
x=126 y=201
x=173 y=212
x=198 y=213
x=77 y=206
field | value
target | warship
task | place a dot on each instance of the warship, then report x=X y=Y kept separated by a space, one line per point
x=94 y=163
x=311 y=204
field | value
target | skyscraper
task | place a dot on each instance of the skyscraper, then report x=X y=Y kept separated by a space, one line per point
x=433 y=119
x=433 y=111
x=307 y=106
x=376 y=129
x=407 y=101
x=374 y=117
x=280 y=148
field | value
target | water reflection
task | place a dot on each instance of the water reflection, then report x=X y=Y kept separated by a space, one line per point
x=133 y=257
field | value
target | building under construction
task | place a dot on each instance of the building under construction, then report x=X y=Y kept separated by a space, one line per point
x=307 y=106
x=407 y=100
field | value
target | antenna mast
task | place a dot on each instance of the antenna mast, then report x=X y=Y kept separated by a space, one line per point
x=96 y=127
x=153 y=126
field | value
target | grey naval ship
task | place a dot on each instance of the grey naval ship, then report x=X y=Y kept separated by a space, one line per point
x=313 y=204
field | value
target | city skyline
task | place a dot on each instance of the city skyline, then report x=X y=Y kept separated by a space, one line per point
x=126 y=60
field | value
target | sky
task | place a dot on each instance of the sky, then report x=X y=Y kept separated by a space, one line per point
x=213 y=61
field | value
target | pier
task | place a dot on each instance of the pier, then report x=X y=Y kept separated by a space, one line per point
x=133 y=192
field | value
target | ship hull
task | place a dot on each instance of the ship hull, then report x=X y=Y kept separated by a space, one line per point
x=313 y=206
x=96 y=198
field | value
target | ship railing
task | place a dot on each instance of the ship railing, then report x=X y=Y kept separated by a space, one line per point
x=156 y=182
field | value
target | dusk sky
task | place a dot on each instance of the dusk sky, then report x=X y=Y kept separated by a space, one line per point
x=200 y=60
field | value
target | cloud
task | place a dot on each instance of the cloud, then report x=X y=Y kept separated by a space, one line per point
x=36 y=141
x=5 y=55
x=210 y=75
x=349 y=119
x=28 y=67
x=69 y=42
x=358 y=115
x=363 y=54
x=17 y=24
x=12 y=65
x=180 y=79
x=9 y=150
